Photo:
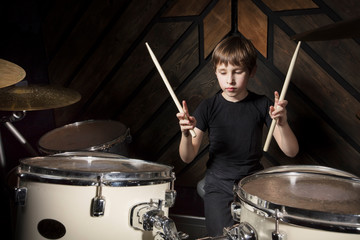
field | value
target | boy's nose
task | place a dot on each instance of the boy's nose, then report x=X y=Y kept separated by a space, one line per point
x=230 y=79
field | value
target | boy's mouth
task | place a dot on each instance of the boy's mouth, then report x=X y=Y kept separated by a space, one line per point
x=230 y=89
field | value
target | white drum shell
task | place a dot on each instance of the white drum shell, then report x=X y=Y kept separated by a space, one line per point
x=264 y=226
x=303 y=195
x=70 y=205
x=61 y=188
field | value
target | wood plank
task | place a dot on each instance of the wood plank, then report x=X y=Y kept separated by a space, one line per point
x=171 y=155
x=165 y=124
x=345 y=9
x=105 y=57
x=319 y=143
x=281 y=5
x=321 y=88
x=177 y=68
x=186 y=8
x=342 y=55
x=216 y=25
x=253 y=24
x=86 y=33
x=131 y=74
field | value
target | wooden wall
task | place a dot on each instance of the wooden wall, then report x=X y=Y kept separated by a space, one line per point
x=98 y=48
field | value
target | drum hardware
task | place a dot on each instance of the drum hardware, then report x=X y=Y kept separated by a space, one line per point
x=170 y=194
x=241 y=231
x=150 y=217
x=7 y=121
x=20 y=193
x=98 y=202
x=235 y=206
x=276 y=235
x=236 y=211
x=26 y=98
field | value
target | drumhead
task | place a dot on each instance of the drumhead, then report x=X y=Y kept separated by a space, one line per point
x=92 y=135
x=89 y=153
x=323 y=198
x=86 y=170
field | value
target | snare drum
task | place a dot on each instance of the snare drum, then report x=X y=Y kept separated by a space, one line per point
x=86 y=197
x=92 y=135
x=300 y=202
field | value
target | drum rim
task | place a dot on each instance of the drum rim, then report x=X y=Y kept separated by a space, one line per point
x=84 y=178
x=100 y=147
x=336 y=222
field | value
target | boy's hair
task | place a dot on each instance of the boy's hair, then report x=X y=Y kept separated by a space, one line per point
x=235 y=50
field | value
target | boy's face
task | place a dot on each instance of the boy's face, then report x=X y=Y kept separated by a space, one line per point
x=233 y=81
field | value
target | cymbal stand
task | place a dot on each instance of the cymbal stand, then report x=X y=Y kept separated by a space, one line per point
x=7 y=121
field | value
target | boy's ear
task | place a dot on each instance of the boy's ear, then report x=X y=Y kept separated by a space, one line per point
x=253 y=71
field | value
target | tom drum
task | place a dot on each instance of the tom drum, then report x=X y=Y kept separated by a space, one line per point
x=92 y=135
x=300 y=202
x=87 y=197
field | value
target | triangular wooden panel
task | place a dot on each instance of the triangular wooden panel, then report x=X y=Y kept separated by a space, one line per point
x=281 y=5
x=154 y=93
x=345 y=9
x=216 y=25
x=321 y=88
x=345 y=49
x=186 y=8
x=253 y=24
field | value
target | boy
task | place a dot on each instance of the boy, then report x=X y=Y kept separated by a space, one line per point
x=234 y=119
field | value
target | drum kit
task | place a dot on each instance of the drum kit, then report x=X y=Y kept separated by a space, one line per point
x=84 y=186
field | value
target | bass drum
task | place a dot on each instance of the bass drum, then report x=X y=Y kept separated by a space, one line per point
x=300 y=202
x=92 y=135
x=58 y=196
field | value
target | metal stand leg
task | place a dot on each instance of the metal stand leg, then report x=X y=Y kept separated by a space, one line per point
x=2 y=154
x=21 y=139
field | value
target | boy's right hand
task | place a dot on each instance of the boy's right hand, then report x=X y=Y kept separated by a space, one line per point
x=186 y=121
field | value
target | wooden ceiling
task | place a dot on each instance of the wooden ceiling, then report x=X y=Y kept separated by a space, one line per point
x=98 y=49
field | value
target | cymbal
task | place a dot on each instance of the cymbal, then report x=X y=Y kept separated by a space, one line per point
x=339 y=30
x=10 y=73
x=36 y=97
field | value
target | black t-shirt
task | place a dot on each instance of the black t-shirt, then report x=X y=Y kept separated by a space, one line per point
x=235 y=133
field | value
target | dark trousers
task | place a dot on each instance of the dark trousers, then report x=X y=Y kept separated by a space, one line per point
x=217 y=200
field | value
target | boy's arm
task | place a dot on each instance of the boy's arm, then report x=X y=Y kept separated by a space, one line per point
x=283 y=134
x=189 y=146
x=286 y=140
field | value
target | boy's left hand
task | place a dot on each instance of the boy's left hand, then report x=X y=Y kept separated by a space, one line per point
x=278 y=111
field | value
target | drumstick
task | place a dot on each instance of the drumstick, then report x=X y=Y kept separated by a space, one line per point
x=282 y=95
x=168 y=86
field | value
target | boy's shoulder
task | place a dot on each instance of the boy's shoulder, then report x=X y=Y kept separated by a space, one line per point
x=257 y=97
